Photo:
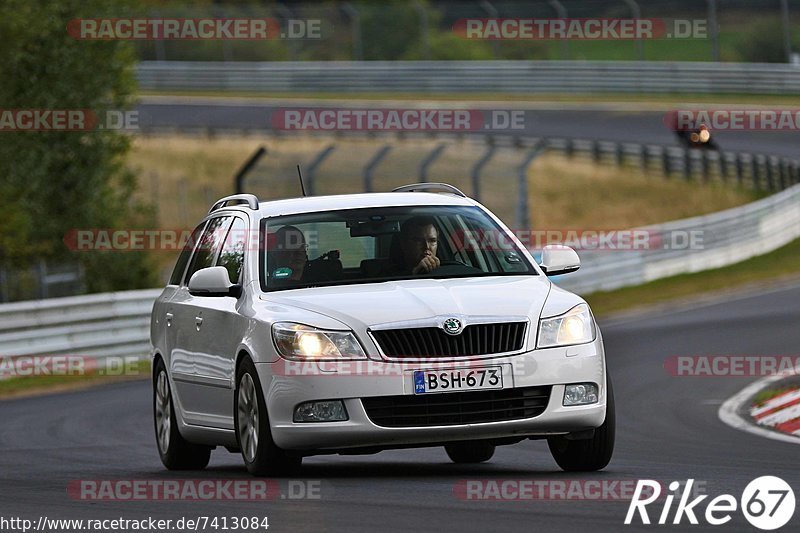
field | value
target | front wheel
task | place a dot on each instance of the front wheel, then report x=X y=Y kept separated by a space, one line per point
x=261 y=455
x=590 y=454
x=470 y=452
x=176 y=452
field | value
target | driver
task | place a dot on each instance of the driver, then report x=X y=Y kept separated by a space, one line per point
x=419 y=240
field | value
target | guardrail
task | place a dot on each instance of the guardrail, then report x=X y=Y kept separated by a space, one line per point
x=94 y=325
x=527 y=77
x=117 y=324
x=723 y=238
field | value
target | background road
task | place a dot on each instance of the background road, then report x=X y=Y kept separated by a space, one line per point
x=667 y=429
x=570 y=121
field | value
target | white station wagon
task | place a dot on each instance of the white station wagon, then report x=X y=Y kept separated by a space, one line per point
x=358 y=323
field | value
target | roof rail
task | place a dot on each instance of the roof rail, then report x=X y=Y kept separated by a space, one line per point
x=433 y=187
x=250 y=199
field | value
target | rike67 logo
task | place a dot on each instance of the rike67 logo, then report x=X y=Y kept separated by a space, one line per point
x=767 y=503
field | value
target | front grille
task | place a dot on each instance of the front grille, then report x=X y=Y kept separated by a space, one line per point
x=453 y=408
x=476 y=339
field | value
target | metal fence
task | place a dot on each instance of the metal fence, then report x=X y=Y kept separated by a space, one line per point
x=459 y=77
x=758 y=172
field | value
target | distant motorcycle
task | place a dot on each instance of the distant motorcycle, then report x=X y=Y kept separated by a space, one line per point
x=697 y=138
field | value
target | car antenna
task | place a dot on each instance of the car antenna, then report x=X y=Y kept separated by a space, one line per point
x=302 y=186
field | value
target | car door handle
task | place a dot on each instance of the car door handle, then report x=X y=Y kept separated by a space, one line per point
x=169 y=316
x=198 y=320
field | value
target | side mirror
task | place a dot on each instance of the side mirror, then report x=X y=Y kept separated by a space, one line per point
x=213 y=281
x=559 y=259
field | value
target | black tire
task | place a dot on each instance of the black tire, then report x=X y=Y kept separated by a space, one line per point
x=176 y=452
x=470 y=452
x=267 y=458
x=590 y=454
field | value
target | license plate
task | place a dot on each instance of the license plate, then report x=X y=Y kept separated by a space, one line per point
x=458 y=379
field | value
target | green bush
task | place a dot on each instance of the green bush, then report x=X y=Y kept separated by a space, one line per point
x=762 y=43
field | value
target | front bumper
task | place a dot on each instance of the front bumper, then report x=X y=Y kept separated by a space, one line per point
x=288 y=384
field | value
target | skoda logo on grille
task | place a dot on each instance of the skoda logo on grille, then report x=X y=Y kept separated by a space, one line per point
x=452 y=326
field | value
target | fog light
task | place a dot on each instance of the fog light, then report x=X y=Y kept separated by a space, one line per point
x=322 y=411
x=580 y=394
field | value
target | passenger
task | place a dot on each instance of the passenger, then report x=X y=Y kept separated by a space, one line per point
x=289 y=250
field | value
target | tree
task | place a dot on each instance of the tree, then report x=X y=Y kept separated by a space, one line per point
x=54 y=181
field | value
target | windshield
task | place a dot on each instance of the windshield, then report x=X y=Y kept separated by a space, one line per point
x=383 y=244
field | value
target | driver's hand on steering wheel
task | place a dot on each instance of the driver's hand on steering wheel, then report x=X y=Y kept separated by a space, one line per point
x=426 y=264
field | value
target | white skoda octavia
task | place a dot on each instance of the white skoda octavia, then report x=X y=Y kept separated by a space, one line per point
x=365 y=322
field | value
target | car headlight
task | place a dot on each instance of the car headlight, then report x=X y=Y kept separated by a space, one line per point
x=297 y=341
x=573 y=327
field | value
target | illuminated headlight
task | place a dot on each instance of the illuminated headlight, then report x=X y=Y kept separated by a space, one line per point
x=580 y=394
x=573 y=327
x=320 y=411
x=296 y=341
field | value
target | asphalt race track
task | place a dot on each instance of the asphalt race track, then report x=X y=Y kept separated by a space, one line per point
x=667 y=429
x=580 y=122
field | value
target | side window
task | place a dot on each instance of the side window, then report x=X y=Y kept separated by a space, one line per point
x=180 y=266
x=209 y=245
x=232 y=254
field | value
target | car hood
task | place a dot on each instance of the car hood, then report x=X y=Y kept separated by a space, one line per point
x=366 y=305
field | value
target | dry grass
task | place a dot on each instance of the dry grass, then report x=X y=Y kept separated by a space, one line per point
x=580 y=194
x=181 y=176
